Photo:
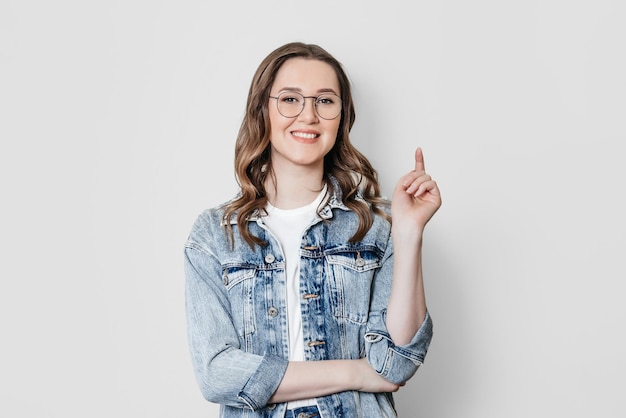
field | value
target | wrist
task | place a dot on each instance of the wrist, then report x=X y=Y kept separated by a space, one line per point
x=406 y=236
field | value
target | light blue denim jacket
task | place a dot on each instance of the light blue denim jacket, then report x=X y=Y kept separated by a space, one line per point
x=237 y=312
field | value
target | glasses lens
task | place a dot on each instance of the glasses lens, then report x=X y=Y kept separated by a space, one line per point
x=328 y=106
x=290 y=105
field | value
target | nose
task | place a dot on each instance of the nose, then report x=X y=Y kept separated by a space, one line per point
x=309 y=113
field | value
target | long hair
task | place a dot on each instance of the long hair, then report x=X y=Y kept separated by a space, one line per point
x=354 y=174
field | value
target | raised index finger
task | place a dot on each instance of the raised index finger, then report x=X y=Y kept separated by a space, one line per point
x=419 y=160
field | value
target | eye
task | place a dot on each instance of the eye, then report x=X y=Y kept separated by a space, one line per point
x=291 y=98
x=325 y=100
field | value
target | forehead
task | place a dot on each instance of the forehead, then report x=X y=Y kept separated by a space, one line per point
x=308 y=75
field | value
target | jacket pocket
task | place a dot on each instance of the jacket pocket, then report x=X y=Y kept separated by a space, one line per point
x=239 y=281
x=351 y=273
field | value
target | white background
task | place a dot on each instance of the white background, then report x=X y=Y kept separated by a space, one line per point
x=118 y=121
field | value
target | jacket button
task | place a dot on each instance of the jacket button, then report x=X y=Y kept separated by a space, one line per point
x=360 y=262
x=272 y=311
x=225 y=279
x=269 y=259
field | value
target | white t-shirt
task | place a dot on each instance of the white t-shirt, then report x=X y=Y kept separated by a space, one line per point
x=288 y=226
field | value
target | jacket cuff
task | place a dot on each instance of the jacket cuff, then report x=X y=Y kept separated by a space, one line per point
x=396 y=363
x=256 y=392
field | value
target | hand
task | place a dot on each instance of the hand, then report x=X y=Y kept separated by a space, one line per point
x=416 y=197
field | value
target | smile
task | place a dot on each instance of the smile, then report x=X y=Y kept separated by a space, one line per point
x=304 y=135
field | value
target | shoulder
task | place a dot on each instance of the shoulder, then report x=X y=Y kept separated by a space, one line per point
x=208 y=228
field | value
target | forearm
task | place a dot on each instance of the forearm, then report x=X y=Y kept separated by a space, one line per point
x=311 y=379
x=407 y=303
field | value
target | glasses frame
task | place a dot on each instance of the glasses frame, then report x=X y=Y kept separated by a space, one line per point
x=316 y=98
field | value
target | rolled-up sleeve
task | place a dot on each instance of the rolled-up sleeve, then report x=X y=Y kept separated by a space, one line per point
x=396 y=363
x=225 y=374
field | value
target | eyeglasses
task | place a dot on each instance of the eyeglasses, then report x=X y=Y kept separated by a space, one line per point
x=290 y=104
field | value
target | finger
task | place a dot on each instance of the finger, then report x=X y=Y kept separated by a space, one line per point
x=427 y=187
x=419 y=160
x=409 y=178
x=416 y=182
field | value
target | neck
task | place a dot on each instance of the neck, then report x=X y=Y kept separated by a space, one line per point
x=294 y=189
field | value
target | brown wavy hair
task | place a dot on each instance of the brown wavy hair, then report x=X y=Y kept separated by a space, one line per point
x=353 y=172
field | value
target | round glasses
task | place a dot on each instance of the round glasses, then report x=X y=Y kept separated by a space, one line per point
x=290 y=104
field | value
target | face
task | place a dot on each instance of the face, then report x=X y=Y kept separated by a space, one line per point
x=304 y=140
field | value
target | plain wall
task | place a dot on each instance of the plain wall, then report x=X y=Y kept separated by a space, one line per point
x=117 y=127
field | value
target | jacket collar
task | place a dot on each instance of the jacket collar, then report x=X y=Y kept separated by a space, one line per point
x=332 y=202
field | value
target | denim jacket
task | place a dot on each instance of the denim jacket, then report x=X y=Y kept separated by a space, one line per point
x=236 y=312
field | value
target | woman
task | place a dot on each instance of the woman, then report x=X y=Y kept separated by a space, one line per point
x=291 y=306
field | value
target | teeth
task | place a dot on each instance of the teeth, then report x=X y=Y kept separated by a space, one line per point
x=304 y=135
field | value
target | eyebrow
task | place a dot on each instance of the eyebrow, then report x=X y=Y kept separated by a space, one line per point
x=299 y=90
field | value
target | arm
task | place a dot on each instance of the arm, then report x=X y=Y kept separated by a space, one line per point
x=225 y=374
x=327 y=377
x=399 y=326
x=415 y=200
